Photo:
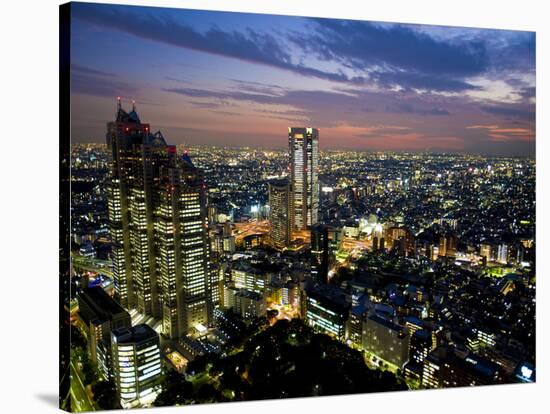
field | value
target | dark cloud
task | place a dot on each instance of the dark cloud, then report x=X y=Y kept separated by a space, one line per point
x=517 y=54
x=366 y=53
x=79 y=69
x=407 y=108
x=207 y=105
x=510 y=112
x=363 y=45
x=224 y=95
x=528 y=93
x=89 y=81
x=101 y=86
x=422 y=81
x=249 y=46
x=258 y=87
x=179 y=80
x=396 y=55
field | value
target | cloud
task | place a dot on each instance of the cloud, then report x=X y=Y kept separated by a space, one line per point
x=528 y=93
x=250 y=46
x=516 y=53
x=364 y=52
x=94 y=82
x=233 y=95
x=498 y=133
x=408 y=108
x=365 y=44
x=76 y=68
x=421 y=81
x=395 y=55
x=100 y=85
x=510 y=112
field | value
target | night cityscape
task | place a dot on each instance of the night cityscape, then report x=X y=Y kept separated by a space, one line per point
x=380 y=236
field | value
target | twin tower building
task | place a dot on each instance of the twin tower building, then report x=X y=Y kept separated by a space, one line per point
x=157 y=207
x=294 y=202
x=158 y=226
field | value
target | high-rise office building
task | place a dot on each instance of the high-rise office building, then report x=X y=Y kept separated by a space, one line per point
x=136 y=155
x=319 y=253
x=304 y=170
x=136 y=365
x=158 y=226
x=280 y=212
x=183 y=248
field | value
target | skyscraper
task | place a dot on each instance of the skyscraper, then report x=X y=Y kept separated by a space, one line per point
x=319 y=253
x=136 y=155
x=280 y=216
x=183 y=248
x=304 y=169
x=158 y=227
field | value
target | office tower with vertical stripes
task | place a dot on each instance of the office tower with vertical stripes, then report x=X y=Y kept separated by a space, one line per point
x=183 y=248
x=136 y=155
x=157 y=221
x=303 y=146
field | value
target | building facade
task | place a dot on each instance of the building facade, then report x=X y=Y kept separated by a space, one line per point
x=136 y=365
x=386 y=340
x=327 y=314
x=158 y=225
x=304 y=170
x=280 y=213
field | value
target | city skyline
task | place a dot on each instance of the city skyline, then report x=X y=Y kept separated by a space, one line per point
x=366 y=85
x=224 y=271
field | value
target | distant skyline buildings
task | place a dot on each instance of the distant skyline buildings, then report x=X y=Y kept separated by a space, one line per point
x=194 y=254
x=387 y=87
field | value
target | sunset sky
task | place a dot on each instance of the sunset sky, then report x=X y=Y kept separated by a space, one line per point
x=239 y=79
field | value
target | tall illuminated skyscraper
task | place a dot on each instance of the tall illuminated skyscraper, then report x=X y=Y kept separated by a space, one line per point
x=280 y=216
x=183 y=248
x=157 y=216
x=136 y=155
x=303 y=146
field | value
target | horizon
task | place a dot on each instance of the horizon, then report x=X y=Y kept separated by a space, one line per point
x=285 y=149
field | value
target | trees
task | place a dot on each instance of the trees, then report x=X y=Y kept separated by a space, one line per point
x=285 y=360
x=89 y=370
x=105 y=395
x=290 y=360
x=176 y=390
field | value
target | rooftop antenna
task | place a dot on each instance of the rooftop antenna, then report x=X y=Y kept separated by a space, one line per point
x=118 y=105
x=133 y=105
